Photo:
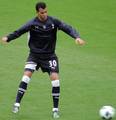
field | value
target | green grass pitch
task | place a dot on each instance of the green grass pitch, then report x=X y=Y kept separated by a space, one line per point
x=87 y=73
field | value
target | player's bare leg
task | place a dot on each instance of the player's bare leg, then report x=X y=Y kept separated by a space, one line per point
x=21 y=90
x=55 y=93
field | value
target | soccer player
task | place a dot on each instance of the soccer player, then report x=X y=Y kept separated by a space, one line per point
x=42 y=41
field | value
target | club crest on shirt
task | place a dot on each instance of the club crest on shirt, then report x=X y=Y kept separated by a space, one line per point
x=52 y=26
x=44 y=27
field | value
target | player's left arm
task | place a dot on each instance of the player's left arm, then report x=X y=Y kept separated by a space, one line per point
x=79 y=41
x=70 y=31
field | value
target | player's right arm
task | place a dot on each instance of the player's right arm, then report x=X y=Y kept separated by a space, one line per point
x=4 y=39
x=17 y=33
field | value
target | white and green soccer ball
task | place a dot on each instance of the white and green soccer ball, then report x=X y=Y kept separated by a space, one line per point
x=107 y=112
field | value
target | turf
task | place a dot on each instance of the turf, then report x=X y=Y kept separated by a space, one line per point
x=87 y=73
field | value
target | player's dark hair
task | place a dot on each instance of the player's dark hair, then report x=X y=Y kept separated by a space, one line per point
x=40 y=5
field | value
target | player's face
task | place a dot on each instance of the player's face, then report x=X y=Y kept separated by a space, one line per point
x=42 y=14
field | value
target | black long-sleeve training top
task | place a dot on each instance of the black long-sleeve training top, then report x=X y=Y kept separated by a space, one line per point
x=43 y=35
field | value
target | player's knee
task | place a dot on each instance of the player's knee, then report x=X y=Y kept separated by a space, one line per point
x=54 y=76
x=28 y=73
x=26 y=79
x=55 y=83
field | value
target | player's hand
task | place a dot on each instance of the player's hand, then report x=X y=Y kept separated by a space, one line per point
x=79 y=41
x=4 y=39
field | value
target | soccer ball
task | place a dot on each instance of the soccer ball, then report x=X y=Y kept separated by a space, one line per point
x=107 y=112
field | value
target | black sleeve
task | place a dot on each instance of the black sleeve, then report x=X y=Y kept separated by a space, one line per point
x=19 y=32
x=67 y=28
